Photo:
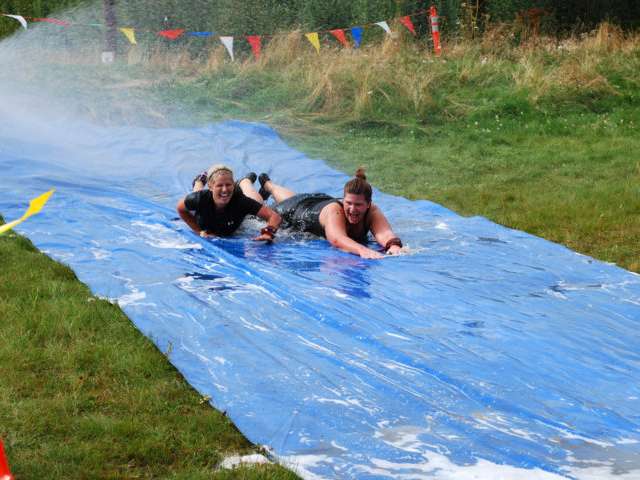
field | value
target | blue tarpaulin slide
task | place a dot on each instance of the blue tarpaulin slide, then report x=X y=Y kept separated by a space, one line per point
x=482 y=353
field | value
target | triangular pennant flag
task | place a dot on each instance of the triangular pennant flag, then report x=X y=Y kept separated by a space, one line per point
x=172 y=34
x=130 y=34
x=35 y=206
x=55 y=21
x=314 y=39
x=200 y=34
x=228 y=43
x=339 y=34
x=256 y=44
x=406 y=21
x=4 y=465
x=384 y=26
x=356 y=33
x=19 y=18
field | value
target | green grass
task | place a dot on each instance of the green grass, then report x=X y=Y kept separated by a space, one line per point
x=83 y=394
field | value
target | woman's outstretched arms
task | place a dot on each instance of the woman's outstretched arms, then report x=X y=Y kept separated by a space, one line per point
x=382 y=231
x=335 y=229
x=189 y=219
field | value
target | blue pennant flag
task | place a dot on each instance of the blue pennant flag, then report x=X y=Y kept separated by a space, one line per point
x=200 y=34
x=356 y=33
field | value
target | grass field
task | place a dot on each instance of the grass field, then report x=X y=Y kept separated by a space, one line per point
x=541 y=138
x=83 y=394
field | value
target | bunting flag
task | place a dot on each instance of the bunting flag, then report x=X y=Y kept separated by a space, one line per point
x=200 y=34
x=35 y=206
x=55 y=21
x=314 y=39
x=384 y=26
x=172 y=34
x=228 y=43
x=339 y=34
x=130 y=34
x=356 y=34
x=19 y=18
x=406 y=21
x=5 y=474
x=254 y=40
x=256 y=44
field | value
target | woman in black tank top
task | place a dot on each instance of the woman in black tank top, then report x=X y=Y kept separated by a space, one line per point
x=220 y=209
x=345 y=222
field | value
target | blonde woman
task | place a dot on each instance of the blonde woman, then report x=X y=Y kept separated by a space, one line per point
x=219 y=209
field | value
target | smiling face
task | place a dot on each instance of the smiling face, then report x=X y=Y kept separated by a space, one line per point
x=221 y=187
x=355 y=207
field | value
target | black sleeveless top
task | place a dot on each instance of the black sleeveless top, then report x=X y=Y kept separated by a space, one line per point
x=221 y=222
x=302 y=212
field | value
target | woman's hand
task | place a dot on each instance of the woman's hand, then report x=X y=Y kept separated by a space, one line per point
x=205 y=234
x=267 y=234
x=264 y=238
x=370 y=254
x=394 y=250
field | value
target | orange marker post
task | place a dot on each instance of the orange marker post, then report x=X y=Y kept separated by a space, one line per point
x=5 y=474
x=435 y=30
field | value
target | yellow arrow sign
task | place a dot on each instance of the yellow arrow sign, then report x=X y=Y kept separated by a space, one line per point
x=35 y=206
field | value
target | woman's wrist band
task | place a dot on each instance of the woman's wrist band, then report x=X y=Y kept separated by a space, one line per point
x=394 y=241
x=269 y=230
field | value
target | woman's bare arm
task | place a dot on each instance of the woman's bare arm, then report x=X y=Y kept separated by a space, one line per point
x=382 y=231
x=273 y=222
x=188 y=217
x=335 y=228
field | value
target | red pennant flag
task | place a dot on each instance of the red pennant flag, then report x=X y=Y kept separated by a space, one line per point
x=256 y=44
x=4 y=465
x=55 y=21
x=171 y=34
x=406 y=21
x=339 y=34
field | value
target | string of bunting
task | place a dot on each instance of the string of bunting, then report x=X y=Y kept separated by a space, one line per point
x=255 y=41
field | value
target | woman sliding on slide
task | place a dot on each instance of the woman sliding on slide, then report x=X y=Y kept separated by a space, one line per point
x=220 y=209
x=344 y=223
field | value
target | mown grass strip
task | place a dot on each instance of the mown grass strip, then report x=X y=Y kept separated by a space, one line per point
x=83 y=394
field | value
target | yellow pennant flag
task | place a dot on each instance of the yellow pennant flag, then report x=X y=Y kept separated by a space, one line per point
x=35 y=206
x=315 y=41
x=130 y=33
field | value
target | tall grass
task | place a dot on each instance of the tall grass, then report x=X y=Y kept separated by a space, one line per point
x=400 y=78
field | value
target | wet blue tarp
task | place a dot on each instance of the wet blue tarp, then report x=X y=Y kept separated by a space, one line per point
x=484 y=353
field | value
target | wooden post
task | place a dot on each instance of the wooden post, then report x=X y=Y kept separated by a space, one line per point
x=110 y=44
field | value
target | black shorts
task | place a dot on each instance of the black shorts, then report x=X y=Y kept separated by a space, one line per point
x=302 y=212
